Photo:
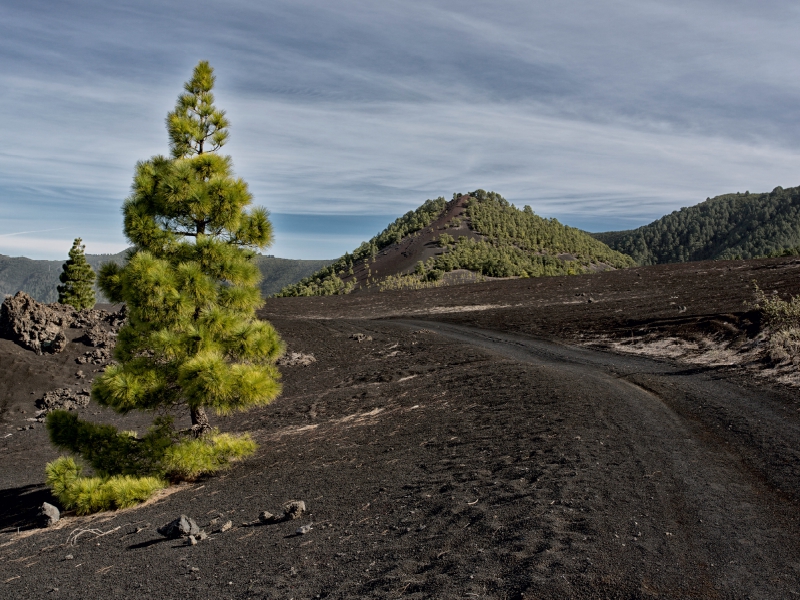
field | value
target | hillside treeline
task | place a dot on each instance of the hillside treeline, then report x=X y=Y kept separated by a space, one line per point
x=39 y=278
x=328 y=281
x=730 y=226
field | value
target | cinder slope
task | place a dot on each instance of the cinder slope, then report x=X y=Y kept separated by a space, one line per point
x=458 y=459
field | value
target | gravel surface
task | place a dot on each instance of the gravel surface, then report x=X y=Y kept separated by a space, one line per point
x=475 y=447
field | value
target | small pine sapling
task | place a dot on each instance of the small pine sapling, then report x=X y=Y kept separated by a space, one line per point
x=77 y=279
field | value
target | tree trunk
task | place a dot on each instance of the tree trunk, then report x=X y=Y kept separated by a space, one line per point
x=200 y=424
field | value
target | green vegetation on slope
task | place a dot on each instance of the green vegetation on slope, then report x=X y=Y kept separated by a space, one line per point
x=328 y=281
x=277 y=273
x=518 y=243
x=39 y=278
x=514 y=243
x=730 y=226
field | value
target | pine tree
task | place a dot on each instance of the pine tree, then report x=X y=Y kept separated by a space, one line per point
x=77 y=279
x=190 y=281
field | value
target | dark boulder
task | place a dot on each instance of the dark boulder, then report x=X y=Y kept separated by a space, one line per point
x=181 y=527
x=33 y=325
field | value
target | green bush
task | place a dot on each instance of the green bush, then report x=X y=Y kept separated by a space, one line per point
x=192 y=458
x=130 y=469
x=159 y=453
x=445 y=239
x=107 y=450
x=93 y=494
x=778 y=314
x=781 y=319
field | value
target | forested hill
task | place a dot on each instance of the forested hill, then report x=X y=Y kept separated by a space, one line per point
x=474 y=236
x=730 y=226
x=39 y=278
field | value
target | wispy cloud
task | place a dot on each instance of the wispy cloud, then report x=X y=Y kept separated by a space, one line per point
x=29 y=232
x=607 y=112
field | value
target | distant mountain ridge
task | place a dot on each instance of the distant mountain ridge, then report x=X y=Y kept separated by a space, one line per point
x=39 y=278
x=740 y=225
x=473 y=236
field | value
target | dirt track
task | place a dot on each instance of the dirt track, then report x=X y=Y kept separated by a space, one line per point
x=455 y=455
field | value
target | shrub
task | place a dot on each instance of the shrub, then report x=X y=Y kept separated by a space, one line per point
x=781 y=319
x=93 y=494
x=778 y=314
x=203 y=456
x=107 y=450
x=445 y=239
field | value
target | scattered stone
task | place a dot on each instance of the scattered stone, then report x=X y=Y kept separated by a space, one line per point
x=100 y=337
x=360 y=337
x=266 y=517
x=183 y=526
x=33 y=325
x=100 y=332
x=191 y=541
x=91 y=318
x=294 y=509
x=202 y=536
x=49 y=515
x=304 y=529
x=95 y=357
x=295 y=359
x=69 y=557
x=80 y=374
x=61 y=399
x=226 y=526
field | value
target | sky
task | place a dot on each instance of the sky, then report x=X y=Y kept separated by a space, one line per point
x=605 y=114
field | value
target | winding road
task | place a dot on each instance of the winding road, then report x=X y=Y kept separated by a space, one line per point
x=720 y=458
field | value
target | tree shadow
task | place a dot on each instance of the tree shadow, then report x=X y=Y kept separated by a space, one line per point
x=19 y=507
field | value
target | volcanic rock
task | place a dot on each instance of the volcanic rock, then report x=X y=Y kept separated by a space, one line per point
x=62 y=399
x=266 y=517
x=48 y=515
x=183 y=526
x=33 y=325
x=225 y=526
x=295 y=359
x=294 y=509
x=95 y=357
